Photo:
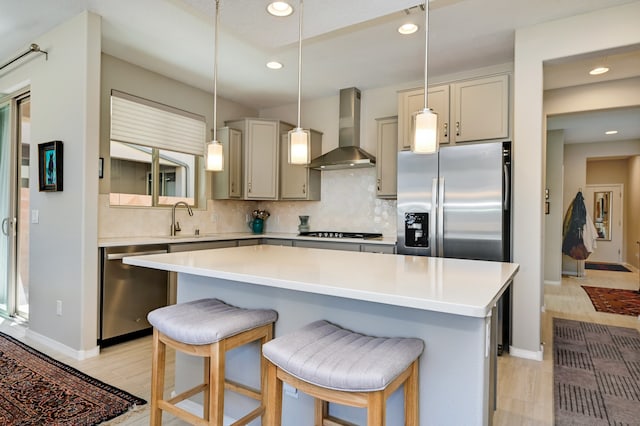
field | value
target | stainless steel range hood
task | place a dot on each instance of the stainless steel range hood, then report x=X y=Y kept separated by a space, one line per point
x=348 y=155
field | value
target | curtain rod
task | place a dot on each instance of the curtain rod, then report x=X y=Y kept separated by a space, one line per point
x=34 y=48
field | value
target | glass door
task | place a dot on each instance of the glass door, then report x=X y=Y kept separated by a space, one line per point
x=15 y=132
x=6 y=216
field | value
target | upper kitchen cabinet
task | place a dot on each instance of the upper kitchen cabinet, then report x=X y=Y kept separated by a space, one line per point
x=261 y=153
x=299 y=182
x=412 y=101
x=469 y=110
x=227 y=184
x=387 y=158
x=480 y=109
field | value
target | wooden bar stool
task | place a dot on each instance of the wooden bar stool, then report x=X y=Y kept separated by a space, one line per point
x=339 y=366
x=207 y=328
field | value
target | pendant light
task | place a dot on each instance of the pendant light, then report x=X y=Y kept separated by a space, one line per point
x=299 y=150
x=425 y=138
x=214 y=155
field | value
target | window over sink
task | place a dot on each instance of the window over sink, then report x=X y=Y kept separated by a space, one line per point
x=156 y=153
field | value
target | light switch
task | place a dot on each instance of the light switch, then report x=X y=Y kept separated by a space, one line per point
x=35 y=216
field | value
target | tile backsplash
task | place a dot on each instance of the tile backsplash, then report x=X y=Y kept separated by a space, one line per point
x=348 y=203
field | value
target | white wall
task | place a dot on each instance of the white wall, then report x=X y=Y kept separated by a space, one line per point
x=553 y=221
x=600 y=30
x=64 y=106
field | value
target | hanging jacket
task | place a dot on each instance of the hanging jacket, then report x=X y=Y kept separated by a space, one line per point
x=573 y=229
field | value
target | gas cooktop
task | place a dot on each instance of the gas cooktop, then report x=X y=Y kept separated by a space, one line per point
x=340 y=234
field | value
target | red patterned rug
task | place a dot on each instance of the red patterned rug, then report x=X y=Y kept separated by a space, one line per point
x=38 y=390
x=614 y=301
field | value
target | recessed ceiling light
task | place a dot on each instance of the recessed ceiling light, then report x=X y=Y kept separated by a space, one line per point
x=280 y=8
x=611 y=132
x=407 y=29
x=274 y=65
x=598 y=70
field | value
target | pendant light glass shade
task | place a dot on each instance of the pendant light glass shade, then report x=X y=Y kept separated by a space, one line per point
x=298 y=144
x=425 y=137
x=214 y=157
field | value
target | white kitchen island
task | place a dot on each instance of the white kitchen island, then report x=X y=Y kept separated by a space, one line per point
x=449 y=303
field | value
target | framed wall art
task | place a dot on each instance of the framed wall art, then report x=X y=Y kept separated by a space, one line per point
x=50 y=161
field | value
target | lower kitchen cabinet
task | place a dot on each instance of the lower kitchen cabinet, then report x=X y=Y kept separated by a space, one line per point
x=298 y=182
x=277 y=242
x=387 y=158
x=378 y=248
x=327 y=245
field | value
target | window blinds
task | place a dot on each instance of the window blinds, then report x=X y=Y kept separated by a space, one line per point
x=143 y=122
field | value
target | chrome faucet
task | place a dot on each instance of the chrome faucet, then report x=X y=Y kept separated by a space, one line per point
x=175 y=226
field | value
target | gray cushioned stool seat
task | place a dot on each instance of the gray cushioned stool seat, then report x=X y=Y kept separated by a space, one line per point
x=331 y=357
x=206 y=321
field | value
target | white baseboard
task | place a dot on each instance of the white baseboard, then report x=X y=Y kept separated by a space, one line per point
x=64 y=349
x=526 y=354
x=552 y=282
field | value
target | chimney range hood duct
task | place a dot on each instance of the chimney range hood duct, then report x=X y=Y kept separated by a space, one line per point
x=348 y=155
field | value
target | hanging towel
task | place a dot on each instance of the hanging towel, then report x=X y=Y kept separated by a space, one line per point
x=590 y=235
x=573 y=230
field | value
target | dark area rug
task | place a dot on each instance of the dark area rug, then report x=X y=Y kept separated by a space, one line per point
x=596 y=374
x=600 y=266
x=38 y=390
x=614 y=300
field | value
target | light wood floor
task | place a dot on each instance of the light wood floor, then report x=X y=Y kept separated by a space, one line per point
x=525 y=391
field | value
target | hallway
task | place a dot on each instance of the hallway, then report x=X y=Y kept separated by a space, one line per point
x=525 y=388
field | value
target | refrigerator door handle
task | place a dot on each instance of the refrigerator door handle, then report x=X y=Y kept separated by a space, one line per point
x=440 y=217
x=505 y=202
x=432 y=221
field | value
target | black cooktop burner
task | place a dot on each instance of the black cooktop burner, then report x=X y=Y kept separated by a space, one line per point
x=339 y=234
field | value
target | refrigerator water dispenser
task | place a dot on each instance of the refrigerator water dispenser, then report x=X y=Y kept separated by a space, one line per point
x=416 y=229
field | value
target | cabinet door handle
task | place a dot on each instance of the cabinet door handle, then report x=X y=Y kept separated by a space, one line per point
x=304 y=188
x=378 y=184
x=457 y=128
x=249 y=187
x=446 y=130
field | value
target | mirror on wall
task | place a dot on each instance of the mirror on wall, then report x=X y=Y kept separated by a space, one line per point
x=602 y=214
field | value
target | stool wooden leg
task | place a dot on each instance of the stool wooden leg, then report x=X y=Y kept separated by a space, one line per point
x=376 y=409
x=274 y=397
x=264 y=379
x=411 y=391
x=321 y=411
x=216 y=363
x=157 y=378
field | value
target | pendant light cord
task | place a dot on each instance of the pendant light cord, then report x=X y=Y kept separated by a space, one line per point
x=299 y=60
x=215 y=71
x=426 y=47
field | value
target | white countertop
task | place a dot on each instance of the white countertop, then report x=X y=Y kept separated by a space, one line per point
x=166 y=239
x=455 y=286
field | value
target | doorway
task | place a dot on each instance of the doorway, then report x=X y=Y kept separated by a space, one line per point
x=15 y=135
x=605 y=205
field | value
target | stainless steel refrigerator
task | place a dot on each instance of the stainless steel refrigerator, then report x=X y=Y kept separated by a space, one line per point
x=457 y=203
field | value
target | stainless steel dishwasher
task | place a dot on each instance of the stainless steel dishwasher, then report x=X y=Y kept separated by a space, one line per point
x=128 y=293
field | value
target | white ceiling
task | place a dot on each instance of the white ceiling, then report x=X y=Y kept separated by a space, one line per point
x=346 y=42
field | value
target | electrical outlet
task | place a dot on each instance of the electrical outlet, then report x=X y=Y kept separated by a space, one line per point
x=59 y=308
x=290 y=391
